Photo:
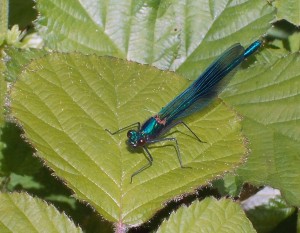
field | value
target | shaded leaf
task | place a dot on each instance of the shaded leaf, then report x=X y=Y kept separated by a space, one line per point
x=21 y=13
x=65 y=101
x=267 y=217
x=230 y=184
x=17 y=154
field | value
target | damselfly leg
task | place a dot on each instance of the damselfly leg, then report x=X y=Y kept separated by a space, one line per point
x=137 y=124
x=149 y=164
x=182 y=122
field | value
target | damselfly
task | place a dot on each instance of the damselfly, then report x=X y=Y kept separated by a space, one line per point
x=194 y=98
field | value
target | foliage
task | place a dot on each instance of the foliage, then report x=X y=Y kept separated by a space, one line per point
x=105 y=65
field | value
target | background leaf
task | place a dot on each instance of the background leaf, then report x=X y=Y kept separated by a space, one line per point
x=20 y=212
x=17 y=60
x=268 y=98
x=288 y=10
x=166 y=34
x=65 y=101
x=2 y=91
x=268 y=212
x=209 y=215
x=182 y=36
x=3 y=20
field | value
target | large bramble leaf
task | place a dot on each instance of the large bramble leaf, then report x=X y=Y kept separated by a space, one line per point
x=209 y=215
x=64 y=103
x=20 y=212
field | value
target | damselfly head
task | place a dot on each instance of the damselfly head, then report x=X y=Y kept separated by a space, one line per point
x=135 y=138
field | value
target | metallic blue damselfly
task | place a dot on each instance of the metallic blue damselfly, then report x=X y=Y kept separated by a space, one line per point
x=194 y=98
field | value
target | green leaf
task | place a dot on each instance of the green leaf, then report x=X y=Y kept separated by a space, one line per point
x=265 y=218
x=209 y=215
x=27 y=182
x=238 y=22
x=20 y=212
x=66 y=101
x=268 y=97
x=230 y=184
x=2 y=91
x=294 y=42
x=288 y=10
x=18 y=58
x=167 y=34
x=3 y=20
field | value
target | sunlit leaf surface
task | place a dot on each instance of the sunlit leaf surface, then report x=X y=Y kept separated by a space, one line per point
x=66 y=101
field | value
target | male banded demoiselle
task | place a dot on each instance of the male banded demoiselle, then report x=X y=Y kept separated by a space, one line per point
x=194 y=98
